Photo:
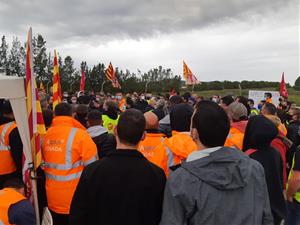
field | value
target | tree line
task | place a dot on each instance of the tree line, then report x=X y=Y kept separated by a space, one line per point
x=12 y=62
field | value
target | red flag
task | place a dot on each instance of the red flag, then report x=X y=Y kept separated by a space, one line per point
x=283 y=89
x=82 y=82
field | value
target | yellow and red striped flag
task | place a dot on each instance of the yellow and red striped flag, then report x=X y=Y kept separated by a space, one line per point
x=56 y=83
x=34 y=111
x=190 y=78
x=111 y=75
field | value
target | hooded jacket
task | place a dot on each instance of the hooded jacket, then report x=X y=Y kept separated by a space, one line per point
x=221 y=187
x=259 y=134
x=105 y=142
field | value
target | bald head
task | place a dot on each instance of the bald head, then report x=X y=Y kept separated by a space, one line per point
x=151 y=120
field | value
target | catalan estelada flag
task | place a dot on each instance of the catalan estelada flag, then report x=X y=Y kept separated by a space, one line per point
x=111 y=75
x=56 y=83
x=34 y=111
x=190 y=78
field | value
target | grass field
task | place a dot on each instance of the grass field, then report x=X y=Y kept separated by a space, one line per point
x=294 y=96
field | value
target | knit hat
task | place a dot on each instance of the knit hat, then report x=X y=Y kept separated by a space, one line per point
x=237 y=111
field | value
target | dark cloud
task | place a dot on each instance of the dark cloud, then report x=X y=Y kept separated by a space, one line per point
x=93 y=19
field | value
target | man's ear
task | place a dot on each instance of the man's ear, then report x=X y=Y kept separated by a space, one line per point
x=194 y=134
x=115 y=131
x=144 y=136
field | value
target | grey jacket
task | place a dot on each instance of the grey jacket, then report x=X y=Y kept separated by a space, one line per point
x=223 y=187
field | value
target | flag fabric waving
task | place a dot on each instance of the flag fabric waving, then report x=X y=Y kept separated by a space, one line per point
x=82 y=81
x=111 y=75
x=283 y=89
x=56 y=83
x=34 y=110
x=190 y=78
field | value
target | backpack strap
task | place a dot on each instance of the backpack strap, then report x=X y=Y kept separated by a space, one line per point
x=250 y=151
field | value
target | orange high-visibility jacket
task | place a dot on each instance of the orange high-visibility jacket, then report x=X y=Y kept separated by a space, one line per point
x=66 y=150
x=153 y=148
x=235 y=138
x=122 y=105
x=181 y=145
x=7 y=164
x=8 y=197
x=282 y=129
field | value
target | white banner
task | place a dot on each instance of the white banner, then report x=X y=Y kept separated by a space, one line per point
x=257 y=96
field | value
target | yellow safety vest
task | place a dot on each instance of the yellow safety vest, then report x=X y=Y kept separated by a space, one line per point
x=109 y=123
x=297 y=194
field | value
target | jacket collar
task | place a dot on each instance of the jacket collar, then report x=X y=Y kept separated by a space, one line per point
x=66 y=121
x=126 y=153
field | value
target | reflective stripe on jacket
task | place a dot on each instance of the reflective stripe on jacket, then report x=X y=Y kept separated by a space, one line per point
x=7 y=164
x=8 y=197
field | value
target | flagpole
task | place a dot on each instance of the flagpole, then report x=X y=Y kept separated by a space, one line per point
x=102 y=86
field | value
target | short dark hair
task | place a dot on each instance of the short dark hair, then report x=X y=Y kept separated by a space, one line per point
x=48 y=117
x=63 y=109
x=14 y=183
x=131 y=126
x=268 y=94
x=212 y=123
x=227 y=100
x=251 y=101
x=270 y=108
x=94 y=116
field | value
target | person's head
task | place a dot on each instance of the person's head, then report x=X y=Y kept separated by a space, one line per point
x=110 y=106
x=268 y=109
x=237 y=112
x=251 y=103
x=48 y=117
x=151 y=121
x=94 y=118
x=16 y=184
x=175 y=99
x=130 y=129
x=268 y=95
x=244 y=101
x=119 y=96
x=63 y=109
x=294 y=114
x=210 y=125
x=129 y=103
x=226 y=101
x=7 y=110
x=180 y=117
x=81 y=114
x=259 y=134
x=186 y=96
x=152 y=102
x=73 y=99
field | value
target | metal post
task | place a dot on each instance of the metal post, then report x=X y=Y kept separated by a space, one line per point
x=47 y=86
x=102 y=86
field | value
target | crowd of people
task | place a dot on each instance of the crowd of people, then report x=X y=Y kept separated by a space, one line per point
x=144 y=159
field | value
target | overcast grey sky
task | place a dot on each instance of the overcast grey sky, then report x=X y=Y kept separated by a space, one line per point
x=218 y=39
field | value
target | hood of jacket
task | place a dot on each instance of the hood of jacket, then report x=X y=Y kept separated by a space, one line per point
x=96 y=131
x=224 y=169
x=259 y=133
x=241 y=125
x=66 y=121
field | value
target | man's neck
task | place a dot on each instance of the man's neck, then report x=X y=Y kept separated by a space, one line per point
x=126 y=146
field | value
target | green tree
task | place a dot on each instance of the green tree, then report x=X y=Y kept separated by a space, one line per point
x=40 y=58
x=16 y=59
x=297 y=84
x=4 y=55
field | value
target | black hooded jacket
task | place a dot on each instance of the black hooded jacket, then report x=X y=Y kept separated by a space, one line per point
x=259 y=134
